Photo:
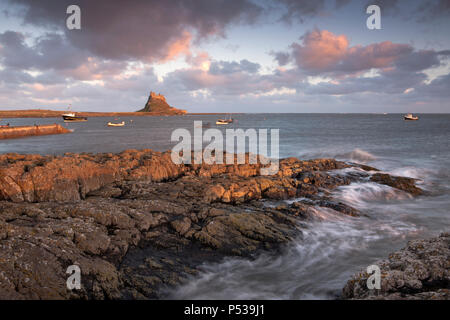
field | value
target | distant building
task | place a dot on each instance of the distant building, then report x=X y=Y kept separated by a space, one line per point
x=156 y=103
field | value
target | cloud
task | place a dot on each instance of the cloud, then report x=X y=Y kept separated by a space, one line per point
x=299 y=10
x=222 y=77
x=50 y=51
x=282 y=58
x=388 y=7
x=320 y=50
x=295 y=10
x=324 y=53
x=139 y=29
x=433 y=9
x=108 y=64
x=226 y=67
x=438 y=88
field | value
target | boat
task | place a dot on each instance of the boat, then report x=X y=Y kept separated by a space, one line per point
x=225 y=121
x=222 y=121
x=72 y=117
x=111 y=124
x=409 y=116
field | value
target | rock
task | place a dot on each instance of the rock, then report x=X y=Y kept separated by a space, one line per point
x=421 y=270
x=401 y=183
x=135 y=222
x=181 y=226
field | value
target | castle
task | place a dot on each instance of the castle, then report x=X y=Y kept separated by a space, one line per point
x=156 y=103
x=159 y=96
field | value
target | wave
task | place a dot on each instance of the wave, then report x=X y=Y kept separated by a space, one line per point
x=413 y=172
x=363 y=195
x=356 y=155
x=308 y=269
x=315 y=266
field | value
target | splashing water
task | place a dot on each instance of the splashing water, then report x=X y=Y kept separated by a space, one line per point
x=315 y=266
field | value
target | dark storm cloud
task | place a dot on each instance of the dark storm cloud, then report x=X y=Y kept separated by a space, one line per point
x=140 y=29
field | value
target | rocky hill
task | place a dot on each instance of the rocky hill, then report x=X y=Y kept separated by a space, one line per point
x=156 y=103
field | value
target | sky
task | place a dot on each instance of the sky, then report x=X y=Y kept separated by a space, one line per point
x=226 y=55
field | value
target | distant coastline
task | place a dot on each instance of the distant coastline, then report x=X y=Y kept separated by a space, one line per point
x=38 y=113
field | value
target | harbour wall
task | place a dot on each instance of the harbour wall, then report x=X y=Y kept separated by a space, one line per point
x=28 y=131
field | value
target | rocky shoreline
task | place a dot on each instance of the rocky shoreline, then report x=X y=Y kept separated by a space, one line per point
x=419 y=271
x=135 y=223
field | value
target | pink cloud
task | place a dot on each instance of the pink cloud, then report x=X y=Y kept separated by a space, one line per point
x=322 y=51
x=180 y=46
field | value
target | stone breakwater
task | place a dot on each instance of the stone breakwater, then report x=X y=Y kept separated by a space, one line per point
x=135 y=223
x=27 y=131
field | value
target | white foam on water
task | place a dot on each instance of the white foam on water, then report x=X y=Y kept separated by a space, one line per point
x=315 y=266
x=358 y=155
x=333 y=246
x=412 y=172
x=363 y=195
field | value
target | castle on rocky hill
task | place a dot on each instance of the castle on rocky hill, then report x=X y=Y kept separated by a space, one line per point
x=156 y=103
x=159 y=96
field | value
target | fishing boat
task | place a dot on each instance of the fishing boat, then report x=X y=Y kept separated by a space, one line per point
x=225 y=121
x=72 y=117
x=222 y=121
x=409 y=116
x=111 y=124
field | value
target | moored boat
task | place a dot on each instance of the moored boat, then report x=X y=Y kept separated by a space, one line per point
x=225 y=121
x=409 y=116
x=72 y=117
x=222 y=121
x=111 y=124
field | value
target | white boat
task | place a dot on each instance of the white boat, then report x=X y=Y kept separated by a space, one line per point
x=70 y=116
x=222 y=121
x=409 y=116
x=111 y=124
x=225 y=121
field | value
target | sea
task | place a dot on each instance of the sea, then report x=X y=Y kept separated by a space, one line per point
x=332 y=247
